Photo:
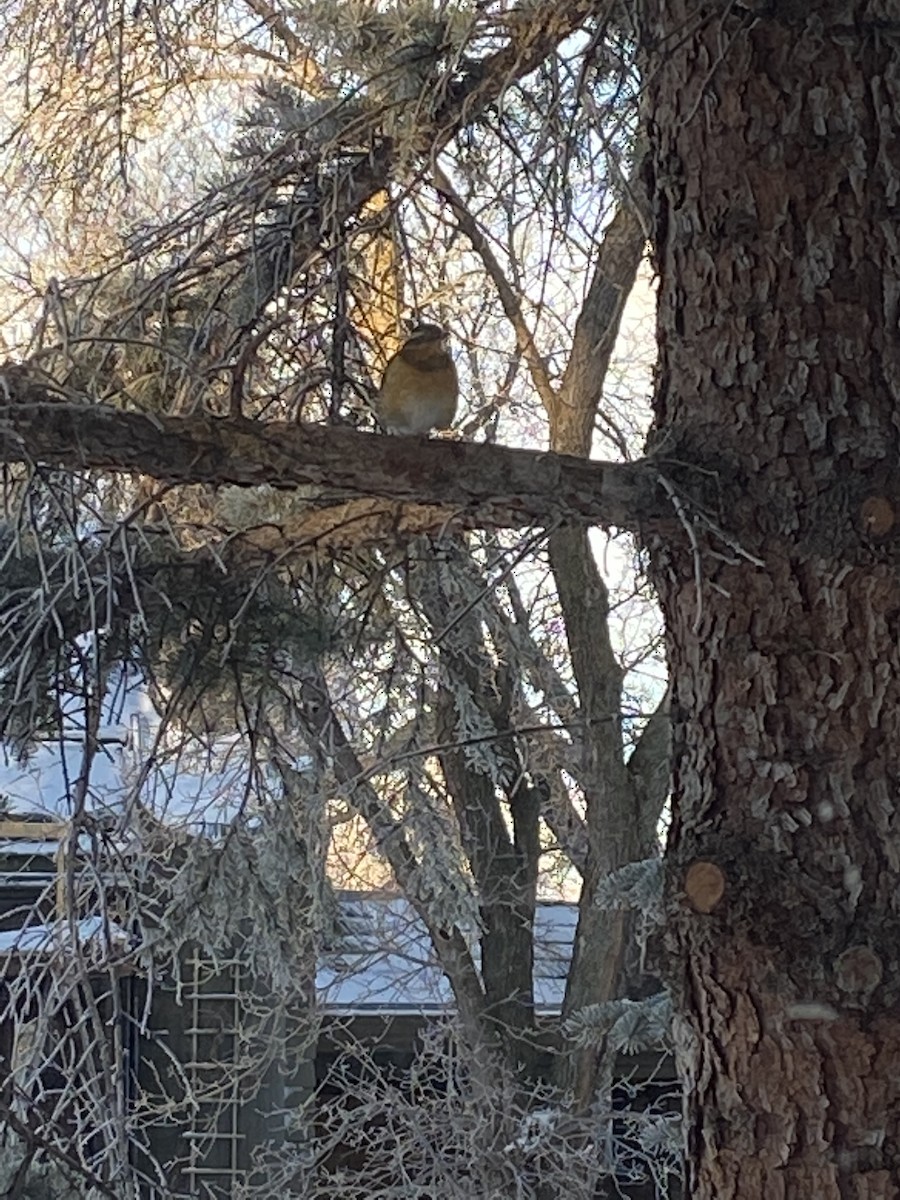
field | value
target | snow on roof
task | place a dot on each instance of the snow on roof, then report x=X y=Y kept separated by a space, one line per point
x=40 y=939
x=44 y=784
x=19 y=848
x=203 y=790
x=382 y=960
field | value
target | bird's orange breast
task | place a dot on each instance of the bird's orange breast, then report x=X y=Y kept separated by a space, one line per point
x=419 y=391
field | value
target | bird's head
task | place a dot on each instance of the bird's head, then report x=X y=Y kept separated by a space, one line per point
x=426 y=334
x=426 y=347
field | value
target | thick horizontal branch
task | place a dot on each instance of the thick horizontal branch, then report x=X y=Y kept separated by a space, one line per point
x=484 y=485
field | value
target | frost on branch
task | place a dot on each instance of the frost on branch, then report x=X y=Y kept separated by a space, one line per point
x=381 y=72
x=45 y=1178
x=440 y=881
x=470 y=1135
x=629 y=1026
x=637 y=886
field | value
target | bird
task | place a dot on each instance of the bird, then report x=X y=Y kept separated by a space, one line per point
x=420 y=388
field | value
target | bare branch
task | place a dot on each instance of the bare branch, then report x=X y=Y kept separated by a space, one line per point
x=278 y=26
x=512 y=306
x=606 y=782
x=50 y=1146
x=286 y=250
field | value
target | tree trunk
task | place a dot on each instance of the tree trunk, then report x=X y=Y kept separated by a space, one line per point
x=776 y=156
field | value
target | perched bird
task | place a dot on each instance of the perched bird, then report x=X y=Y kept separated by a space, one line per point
x=419 y=388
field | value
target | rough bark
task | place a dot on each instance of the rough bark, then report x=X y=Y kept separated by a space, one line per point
x=775 y=163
